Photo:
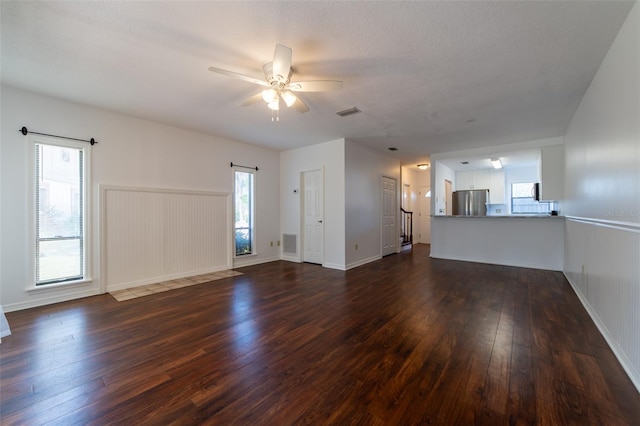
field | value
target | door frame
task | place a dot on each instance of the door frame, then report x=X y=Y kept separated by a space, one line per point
x=448 y=197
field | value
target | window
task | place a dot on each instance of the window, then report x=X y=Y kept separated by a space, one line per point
x=60 y=212
x=243 y=212
x=523 y=201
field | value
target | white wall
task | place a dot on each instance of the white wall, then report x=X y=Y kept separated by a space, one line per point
x=130 y=152
x=514 y=241
x=440 y=173
x=329 y=157
x=410 y=181
x=424 y=220
x=602 y=192
x=363 y=204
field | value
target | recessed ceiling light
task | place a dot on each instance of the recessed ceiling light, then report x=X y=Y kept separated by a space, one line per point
x=465 y=162
x=393 y=148
x=471 y=120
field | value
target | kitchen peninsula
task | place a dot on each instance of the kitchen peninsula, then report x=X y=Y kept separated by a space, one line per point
x=516 y=228
x=533 y=241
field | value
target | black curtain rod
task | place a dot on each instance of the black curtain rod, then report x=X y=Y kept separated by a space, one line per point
x=245 y=167
x=25 y=132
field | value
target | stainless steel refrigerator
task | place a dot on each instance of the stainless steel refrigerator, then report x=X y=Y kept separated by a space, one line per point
x=470 y=203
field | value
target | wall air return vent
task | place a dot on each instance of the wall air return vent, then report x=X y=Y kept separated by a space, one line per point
x=348 y=111
x=289 y=244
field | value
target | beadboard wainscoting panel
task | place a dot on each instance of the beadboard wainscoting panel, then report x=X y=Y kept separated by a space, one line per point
x=151 y=235
x=604 y=270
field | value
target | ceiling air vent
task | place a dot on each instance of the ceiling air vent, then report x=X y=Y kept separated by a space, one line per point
x=348 y=111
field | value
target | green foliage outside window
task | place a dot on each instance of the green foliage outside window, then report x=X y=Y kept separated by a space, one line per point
x=243 y=212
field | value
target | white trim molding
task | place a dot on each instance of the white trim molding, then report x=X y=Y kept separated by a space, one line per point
x=602 y=265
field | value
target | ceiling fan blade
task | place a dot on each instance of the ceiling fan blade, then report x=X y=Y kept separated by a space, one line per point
x=315 y=86
x=281 y=62
x=252 y=100
x=300 y=106
x=239 y=76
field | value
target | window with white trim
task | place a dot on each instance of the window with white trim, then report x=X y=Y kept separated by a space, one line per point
x=243 y=211
x=523 y=200
x=60 y=201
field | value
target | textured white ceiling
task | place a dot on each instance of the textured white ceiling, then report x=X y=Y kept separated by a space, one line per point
x=429 y=76
x=513 y=158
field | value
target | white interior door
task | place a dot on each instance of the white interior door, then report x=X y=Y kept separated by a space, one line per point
x=313 y=213
x=389 y=214
x=424 y=215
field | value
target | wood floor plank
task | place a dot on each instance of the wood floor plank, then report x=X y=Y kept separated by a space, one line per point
x=404 y=340
x=496 y=389
x=522 y=396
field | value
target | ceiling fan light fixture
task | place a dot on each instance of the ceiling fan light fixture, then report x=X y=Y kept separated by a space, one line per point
x=288 y=98
x=269 y=95
x=277 y=83
x=275 y=104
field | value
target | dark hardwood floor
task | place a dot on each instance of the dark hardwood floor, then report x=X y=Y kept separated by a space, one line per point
x=401 y=341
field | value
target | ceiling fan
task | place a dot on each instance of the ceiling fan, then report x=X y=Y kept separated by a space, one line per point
x=279 y=85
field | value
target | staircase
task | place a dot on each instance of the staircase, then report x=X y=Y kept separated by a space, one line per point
x=406 y=228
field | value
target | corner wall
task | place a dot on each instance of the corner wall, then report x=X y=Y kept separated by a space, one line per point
x=131 y=152
x=602 y=188
x=364 y=169
x=328 y=157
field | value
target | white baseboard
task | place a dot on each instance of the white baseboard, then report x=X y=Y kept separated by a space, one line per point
x=338 y=266
x=363 y=262
x=254 y=261
x=168 y=277
x=627 y=365
x=503 y=263
x=28 y=304
x=288 y=258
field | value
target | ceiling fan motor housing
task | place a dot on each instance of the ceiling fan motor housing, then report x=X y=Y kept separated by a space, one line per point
x=275 y=80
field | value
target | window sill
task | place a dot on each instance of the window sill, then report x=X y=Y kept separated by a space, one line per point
x=59 y=286
x=244 y=256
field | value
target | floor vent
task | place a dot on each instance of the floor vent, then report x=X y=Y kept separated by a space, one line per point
x=289 y=244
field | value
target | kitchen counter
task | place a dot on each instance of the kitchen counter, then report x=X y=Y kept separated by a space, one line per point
x=530 y=241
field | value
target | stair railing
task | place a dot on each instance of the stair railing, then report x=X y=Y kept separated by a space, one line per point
x=407 y=227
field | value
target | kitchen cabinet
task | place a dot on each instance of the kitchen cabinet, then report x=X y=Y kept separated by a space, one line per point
x=496 y=186
x=472 y=179
x=552 y=173
x=464 y=180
